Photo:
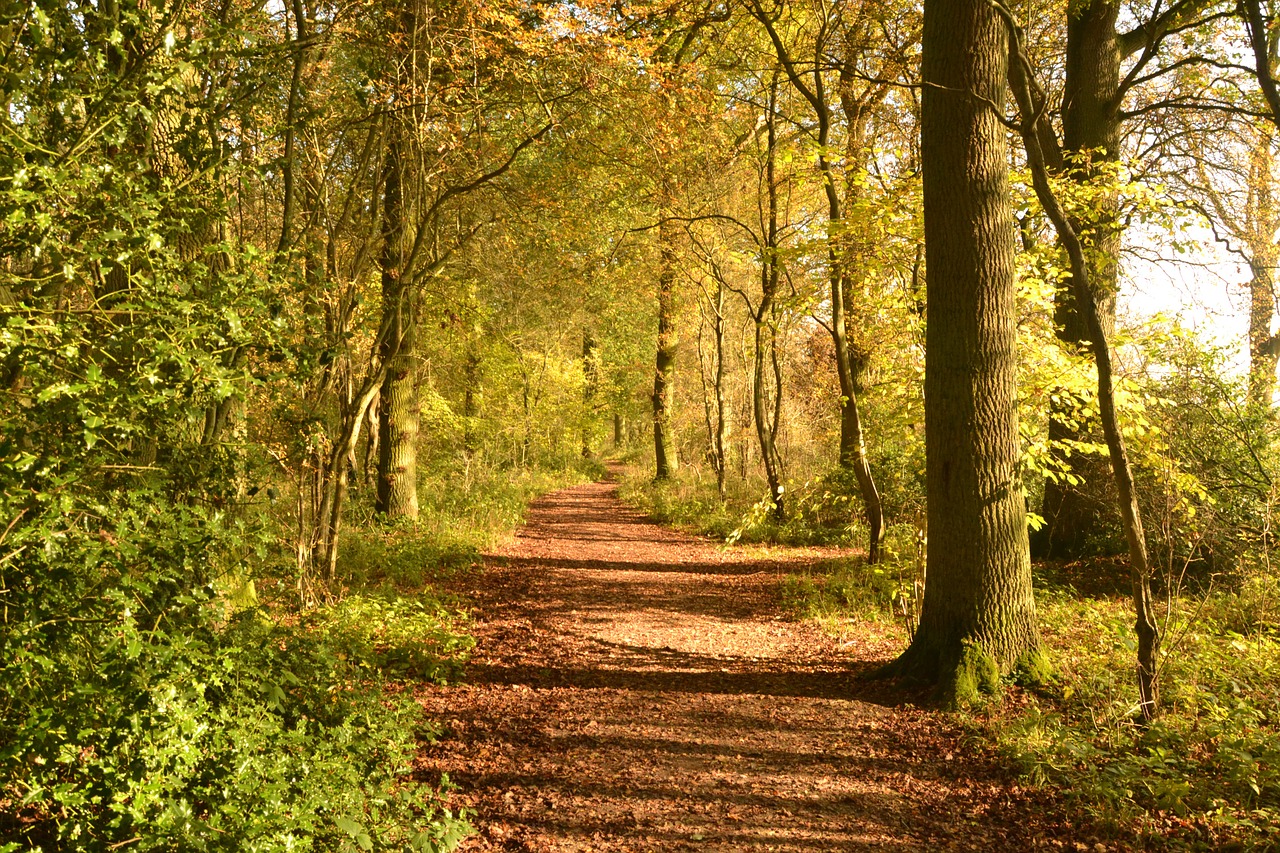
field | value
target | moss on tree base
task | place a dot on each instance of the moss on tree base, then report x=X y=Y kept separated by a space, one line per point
x=973 y=674
x=1033 y=668
x=963 y=673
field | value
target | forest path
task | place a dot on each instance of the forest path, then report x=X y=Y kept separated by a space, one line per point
x=634 y=688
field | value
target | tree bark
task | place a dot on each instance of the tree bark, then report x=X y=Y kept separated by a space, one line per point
x=665 y=460
x=1260 y=224
x=978 y=614
x=397 y=494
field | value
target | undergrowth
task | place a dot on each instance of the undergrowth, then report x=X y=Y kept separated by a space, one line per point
x=1204 y=774
x=823 y=511
x=144 y=706
x=1207 y=769
x=459 y=517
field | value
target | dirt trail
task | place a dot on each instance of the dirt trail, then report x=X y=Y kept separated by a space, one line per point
x=634 y=688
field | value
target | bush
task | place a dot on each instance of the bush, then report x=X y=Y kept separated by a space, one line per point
x=162 y=730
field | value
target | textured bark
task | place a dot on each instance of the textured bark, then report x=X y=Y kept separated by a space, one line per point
x=1264 y=346
x=665 y=461
x=978 y=592
x=397 y=494
x=1261 y=221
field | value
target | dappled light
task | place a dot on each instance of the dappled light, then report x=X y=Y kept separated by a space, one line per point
x=636 y=688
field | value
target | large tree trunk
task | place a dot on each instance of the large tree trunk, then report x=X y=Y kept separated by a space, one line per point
x=397 y=495
x=978 y=615
x=1260 y=223
x=665 y=461
x=1264 y=345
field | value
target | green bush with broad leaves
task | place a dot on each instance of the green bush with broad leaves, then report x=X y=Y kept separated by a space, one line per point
x=146 y=703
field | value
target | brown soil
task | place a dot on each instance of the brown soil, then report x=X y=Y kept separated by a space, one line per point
x=634 y=688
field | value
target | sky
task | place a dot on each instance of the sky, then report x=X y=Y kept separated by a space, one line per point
x=1205 y=290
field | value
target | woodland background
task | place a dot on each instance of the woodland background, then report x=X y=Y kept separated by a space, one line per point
x=303 y=302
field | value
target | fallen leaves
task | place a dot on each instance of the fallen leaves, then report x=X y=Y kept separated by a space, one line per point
x=636 y=689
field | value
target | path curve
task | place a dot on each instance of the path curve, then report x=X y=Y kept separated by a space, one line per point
x=634 y=689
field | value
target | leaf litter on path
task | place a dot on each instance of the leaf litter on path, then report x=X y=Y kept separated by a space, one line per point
x=634 y=688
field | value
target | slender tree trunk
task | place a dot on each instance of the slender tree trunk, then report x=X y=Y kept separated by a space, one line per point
x=397 y=494
x=472 y=393
x=713 y=402
x=766 y=426
x=978 y=614
x=590 y=385
x=853 y=451
x=664 y=448
x=1035 y=128
x=1076 y=515
x=722 y=413
x=291 y=126
x=853 y=443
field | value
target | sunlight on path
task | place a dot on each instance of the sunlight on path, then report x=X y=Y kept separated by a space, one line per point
x=634 y=688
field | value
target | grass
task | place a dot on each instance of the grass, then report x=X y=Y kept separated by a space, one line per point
x=459 y=517
x=1206 y=772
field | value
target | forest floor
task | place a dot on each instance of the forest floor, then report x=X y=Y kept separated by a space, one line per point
x=634 y=688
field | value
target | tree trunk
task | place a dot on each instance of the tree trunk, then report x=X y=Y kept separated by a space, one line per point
x=472 y=394
x=590 y=385
x=722 y=413
x=766 y=426
x=978 y=615
x=713 y=397
x=1035 y=128
x=664 y=449
x=1076 y=515
x=849 y=367
x=397 y=494
x=1264 y=345
x=1260 y=224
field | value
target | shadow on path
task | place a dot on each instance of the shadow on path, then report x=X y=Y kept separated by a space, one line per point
x=636 y=689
